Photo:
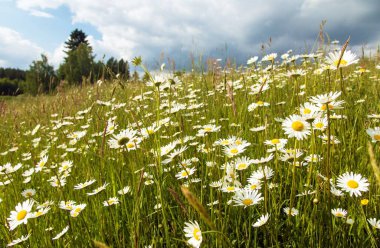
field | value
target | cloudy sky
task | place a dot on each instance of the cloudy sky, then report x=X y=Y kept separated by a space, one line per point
x=176 y=29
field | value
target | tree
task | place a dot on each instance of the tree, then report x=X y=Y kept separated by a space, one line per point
x=79 y=61
x=77 y=37
x=40 y=76
x=78 y=64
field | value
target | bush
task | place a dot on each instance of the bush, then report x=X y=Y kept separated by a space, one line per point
x=9 y=87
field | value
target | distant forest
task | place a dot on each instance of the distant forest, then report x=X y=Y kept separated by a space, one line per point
x=77 y=68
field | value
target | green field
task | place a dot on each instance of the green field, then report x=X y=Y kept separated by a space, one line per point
x=197 y=159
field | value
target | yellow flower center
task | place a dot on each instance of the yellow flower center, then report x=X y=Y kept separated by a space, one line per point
x=323 y=107
x=197 y=234
x=184 y=173
x=130 y=145
x=342 y=62
x=297 y=126
x=307 y=111
x=260 y=103
x=230 y=188
x=207 y=129
x=238 y=142
x=247 y=202
x=376 y=137
x=234 y=151
x=352 y=184
x=242 y=166
x=275 y=141
x=319 y=125
x=150 y=131
x=253 y=186
x=225 y=142
x=339 y=214
x=21 y=215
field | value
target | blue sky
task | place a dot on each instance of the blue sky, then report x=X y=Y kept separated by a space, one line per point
x=176 y=29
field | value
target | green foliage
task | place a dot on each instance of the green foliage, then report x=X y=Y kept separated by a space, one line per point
x=120 y=68
x=12 y=73
x=9 y=87
x=78 y=65
x=40 y=77
x=77 y=37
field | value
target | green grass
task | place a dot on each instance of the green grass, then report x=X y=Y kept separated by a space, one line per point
x=136 y=221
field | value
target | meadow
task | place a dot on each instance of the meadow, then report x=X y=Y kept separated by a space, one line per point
x=282 y=152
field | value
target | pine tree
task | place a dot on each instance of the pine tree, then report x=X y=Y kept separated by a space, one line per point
x=77 y=37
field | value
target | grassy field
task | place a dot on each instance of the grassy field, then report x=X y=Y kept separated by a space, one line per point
x=275 y=154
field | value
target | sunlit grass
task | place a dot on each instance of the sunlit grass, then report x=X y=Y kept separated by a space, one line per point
x=144 y=161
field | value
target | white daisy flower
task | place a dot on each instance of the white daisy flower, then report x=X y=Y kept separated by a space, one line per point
x=21 y=215
x=247 y=197
x=261 y=221
x=61 y=233
x=339 y=212
x=193 y=231
x=296 y=126
x=352 y=183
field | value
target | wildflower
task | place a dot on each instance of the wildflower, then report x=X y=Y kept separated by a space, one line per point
x=210 y=128
x=325 y=98
x=352 y=183
x=246 y=197
x=374 y=133
x=77 y=209
x=41 y=164
x=233 y=150
x=242 y=163
x=296 y=126
x=277 y=143
x=269 y=57
x=374 y=222
x=124 y=190
x=320 y=124
x=261 y=221
x=339 y=212
x=19 y=240
x=193 y=231
x=292 y=212
x=28 y=193
x=255 y=105
x=185 y=173
x=21 y=215
x=40 y=212
x=125 y=139
x=313 y=158
x=85 y=184
x=261 y=173
x=99 y=189
x=111 y=201
x=61 y=233
x=347 y=59
x=68 y=205
x=252 y=60
x=364 y=202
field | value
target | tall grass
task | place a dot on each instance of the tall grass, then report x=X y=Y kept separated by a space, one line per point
x=154 y=211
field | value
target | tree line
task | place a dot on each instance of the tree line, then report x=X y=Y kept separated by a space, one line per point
x=79 y=67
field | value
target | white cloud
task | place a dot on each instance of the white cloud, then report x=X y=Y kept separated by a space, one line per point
x=15 y=49
x=39 y=13
x=149 y=27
